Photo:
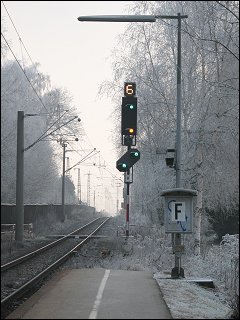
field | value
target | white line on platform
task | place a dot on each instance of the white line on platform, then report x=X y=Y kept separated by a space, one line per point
x=93 y=314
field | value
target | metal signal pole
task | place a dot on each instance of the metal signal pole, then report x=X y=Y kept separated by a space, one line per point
x=127 y=210
x=128 y=178
x=127 y=202
x=19 y=179
x=178 y=271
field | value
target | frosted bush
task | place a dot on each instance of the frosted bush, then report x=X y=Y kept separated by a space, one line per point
x=152 y=250
x=221 y=263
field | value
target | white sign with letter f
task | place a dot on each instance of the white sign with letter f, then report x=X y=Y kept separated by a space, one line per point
x=178 y=211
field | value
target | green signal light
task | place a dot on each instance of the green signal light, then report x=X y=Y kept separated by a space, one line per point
x=135 y=154
x=124 y=165
x=131 y=106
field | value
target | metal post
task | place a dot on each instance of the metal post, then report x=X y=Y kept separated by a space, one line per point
x=79 y=186
x=88 y=189
x=178 y=271
x=178 y=131
x=63 y=184
x=19 y=179
x=127 y=209
x=127 y=181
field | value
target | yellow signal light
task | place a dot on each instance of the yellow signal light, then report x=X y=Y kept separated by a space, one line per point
x=131 y=130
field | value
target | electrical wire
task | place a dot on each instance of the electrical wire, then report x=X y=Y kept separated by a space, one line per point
x=24 y=73
x=20 y=38
x=22 y=44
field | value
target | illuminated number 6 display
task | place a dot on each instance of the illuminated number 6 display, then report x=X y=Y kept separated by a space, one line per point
x=129 y=89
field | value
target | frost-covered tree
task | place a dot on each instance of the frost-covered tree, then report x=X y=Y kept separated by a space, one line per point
x=41 y=172
x=16 y=95
x=210 y=78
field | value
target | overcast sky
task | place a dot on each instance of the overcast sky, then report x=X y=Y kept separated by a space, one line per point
x=76 y=56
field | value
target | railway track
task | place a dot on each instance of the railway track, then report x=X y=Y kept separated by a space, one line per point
x=45 y=259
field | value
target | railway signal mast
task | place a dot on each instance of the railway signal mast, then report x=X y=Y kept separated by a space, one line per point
x=128 y=133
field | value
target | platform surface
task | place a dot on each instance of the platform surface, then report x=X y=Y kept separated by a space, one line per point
x=96 y=294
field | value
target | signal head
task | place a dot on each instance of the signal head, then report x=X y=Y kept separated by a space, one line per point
x=135 y=154
x=128 y=160
x=129 y=116
x=122 y=166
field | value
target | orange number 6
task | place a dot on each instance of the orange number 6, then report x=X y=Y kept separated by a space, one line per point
x=129 y=89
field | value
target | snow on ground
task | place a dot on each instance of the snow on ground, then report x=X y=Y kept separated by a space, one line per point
x=190 y=301
x=146 y=253
x=184 y=299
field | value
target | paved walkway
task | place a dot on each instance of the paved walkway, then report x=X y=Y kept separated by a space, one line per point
x=96 y=294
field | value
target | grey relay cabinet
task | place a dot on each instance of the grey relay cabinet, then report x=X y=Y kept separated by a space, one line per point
x=178 y=210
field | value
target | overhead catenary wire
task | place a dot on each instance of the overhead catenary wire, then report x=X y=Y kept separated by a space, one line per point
x=42 y=136
x=84 y=158
x=24 y=73
x=106 y=164
x=23 y=69
x=21 y=42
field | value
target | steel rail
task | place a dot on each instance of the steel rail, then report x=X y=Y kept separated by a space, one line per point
x=33 y=282
x=17 y=261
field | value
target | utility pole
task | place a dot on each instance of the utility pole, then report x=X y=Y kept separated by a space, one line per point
x=88 y=189
x=178 y=131
x=19 y=179
x=66 y=172
x=64 y=145
x=177 y=239
x=117 y=185
x=79 y=186
x=68 y=166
